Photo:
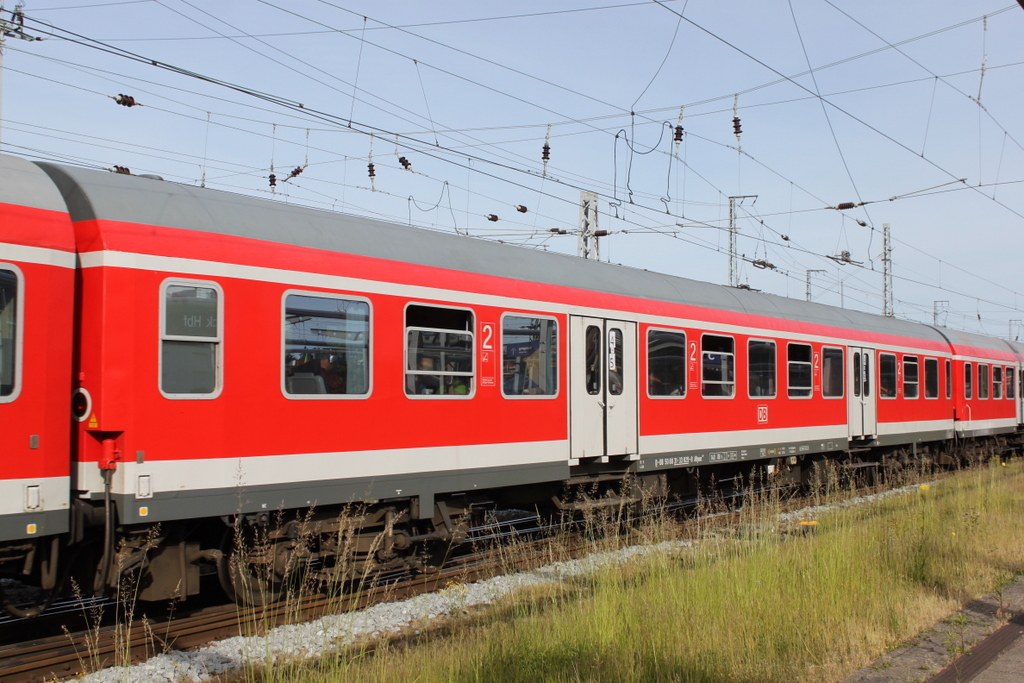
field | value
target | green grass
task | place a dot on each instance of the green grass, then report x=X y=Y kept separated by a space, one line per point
x=762 y=604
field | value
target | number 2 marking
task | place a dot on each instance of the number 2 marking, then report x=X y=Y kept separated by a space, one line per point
x=488 y=343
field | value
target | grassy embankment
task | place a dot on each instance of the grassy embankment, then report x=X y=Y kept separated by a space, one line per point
x=760 y=603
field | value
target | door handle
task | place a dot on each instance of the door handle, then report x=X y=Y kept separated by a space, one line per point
x=601 y=403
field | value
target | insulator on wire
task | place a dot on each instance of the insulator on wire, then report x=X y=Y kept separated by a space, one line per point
x=370 y=170
x=861 y=223
x=123 y=170
x=492 y=218
x=545 y=154
x=600 y=233
x=846 y=205
x=521 y=209
x=736 y=125
x=273 y=180
x=679 y=134
x=125 y=100
x=406 y=164
x=296 y=171
x=559 y=231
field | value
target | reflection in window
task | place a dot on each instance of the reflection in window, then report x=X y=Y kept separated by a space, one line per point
x=529 y=355
x=190 y=340
x=832 y=372
x=800 y=373
x=8 y=330
x=666 y=363
x=718 y=366
x=1011 y=384
x=910 y=377
x=982 y=380
x=326 y=345
x=968 y=381
x=761 y=367
x=856 y=373
x=593 y=359
x=997 y=382
x=931 y=378
x=439 y=351
x=949 y=379
x=887 y=375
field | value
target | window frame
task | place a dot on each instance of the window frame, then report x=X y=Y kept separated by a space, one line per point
x=949 y=379
x=686 y=363
x=732 y=394
x=810 y=363
x=968 y=381
x=987 y=384
x=997 y=384
x=369 y=345
x=218 y=340
x=775 y=368
x=910 y=359
x=19 y=331
x=473 y=353
x=895 y=377
x=501 y=344
x=1011 y=383
x=842 y=367
x=935 y=362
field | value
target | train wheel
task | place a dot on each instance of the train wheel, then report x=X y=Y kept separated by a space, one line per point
x=246 y=568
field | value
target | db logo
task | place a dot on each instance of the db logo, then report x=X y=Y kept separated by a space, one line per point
x=762 y=413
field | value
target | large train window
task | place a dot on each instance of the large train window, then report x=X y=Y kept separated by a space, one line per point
x=718 y=366
x=997 y=382
x=801 y=375
x=949 y=379
x=1011 y=386
x=761 y=368
x=9 y=328
x=529 y=356
x=931 y=377
x=832 y=375
x=592 y=354
x=887 y=375
x=666 y=363
x=910 y=377
x=983 y=380
x=190 y=339
x=439 y=352
x=326 y=346
x=968 y=381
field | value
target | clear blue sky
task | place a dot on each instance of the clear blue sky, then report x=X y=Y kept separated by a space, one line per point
x=473 y=89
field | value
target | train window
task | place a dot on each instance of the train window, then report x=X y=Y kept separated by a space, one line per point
x=615 y=361
x=666 y=363
x=949 y=379
x=801 y=375
x=1011 y=386
x=190 y=339
x=593 y=359
x=326 y=346
x=761 y=368
x=910 y=377
x=529 y=356
x=832 y=372
x=887 y=375
x=931 y=377
x=718 y=366
x=866 y=374
x=9 y=365
x=439 y=351
x=997 y=382
x=983 y=380
x=856 y=373
x=968 y=381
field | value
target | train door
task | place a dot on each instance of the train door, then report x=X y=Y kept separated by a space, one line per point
x=603 y=388
x=862 y=416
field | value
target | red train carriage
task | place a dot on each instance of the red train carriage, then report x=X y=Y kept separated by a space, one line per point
x=37 y=291
x=240 y=357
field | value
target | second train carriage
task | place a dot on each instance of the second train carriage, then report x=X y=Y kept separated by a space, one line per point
x=241 y=357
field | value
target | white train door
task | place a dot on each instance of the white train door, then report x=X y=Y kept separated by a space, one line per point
x=603 y=388
x=861 y=392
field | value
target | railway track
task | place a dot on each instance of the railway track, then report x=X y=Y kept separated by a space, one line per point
x=81 y=651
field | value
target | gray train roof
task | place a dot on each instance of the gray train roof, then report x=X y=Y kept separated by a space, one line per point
x=22 y=183
x=111 y=196
x=961 y=338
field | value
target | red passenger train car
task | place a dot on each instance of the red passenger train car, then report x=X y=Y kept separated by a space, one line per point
x=181 y=359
